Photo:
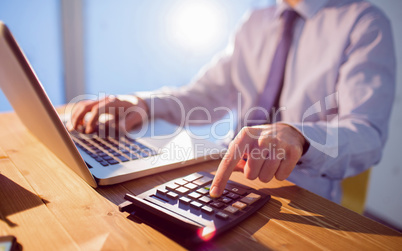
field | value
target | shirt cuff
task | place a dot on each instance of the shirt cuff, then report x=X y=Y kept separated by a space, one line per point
x=312 y=159
x=306 y=145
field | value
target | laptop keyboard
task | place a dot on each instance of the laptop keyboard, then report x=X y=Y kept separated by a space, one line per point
x=111 y=151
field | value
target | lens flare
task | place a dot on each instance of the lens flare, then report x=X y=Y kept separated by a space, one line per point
x=206 y=233
x=196 y=23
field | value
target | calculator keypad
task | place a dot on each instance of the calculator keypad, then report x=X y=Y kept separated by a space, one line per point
x=192 y=191
x=186 y=204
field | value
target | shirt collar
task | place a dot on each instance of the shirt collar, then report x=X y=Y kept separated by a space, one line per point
x=306 y=8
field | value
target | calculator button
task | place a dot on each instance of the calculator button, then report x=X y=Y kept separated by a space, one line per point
x=185 y=200
x=194 y=195
x=217 y=204
x=239 y=205
x=207 y=209
x=231 y=209
x=202 y=191
x=236 y=190
x=225 y=192
x=202 y=181
x=162 y=191
x=172 y=195
x=225 y=200
x=190 y=186
x=192 y=177
x=182 y=190
x=196 y=204
x=222 y=215
x=232 y=195
x=205 y=199
x=251 y=198
x=180 y=182
x=172 y=186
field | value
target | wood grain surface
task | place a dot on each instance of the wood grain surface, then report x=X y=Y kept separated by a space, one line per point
x=47 y=207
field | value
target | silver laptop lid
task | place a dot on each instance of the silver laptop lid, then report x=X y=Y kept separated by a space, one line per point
x=25 y=93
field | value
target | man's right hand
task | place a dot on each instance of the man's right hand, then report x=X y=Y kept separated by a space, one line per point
x=127 y=112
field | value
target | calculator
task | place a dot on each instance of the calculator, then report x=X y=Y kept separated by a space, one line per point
x=183 y=209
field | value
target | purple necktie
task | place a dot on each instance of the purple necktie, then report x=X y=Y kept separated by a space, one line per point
x=276 y=75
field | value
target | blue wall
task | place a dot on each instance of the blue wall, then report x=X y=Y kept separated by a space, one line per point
x=128 y=49
x=127 y=44
x=36 y=26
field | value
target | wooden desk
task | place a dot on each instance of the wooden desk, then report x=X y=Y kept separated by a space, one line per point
x=47 y=207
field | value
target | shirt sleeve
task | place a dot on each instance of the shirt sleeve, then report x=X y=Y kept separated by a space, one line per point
x=352 y=140
x=195 y=103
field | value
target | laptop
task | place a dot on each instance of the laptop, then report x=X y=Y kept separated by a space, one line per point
x=98 y=160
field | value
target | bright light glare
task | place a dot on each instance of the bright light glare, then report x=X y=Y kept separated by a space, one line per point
x=207 y=233
x=196 y=24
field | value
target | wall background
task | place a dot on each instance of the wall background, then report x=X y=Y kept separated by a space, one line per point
x=129 y=45
x=36 y=27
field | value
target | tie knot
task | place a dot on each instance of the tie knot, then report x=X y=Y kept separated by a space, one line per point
x=289 y=16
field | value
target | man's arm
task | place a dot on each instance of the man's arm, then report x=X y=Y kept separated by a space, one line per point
x=353 y=140
x=197 y=101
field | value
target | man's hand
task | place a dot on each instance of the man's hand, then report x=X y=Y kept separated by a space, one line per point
x=127 y=112
x=261 y=151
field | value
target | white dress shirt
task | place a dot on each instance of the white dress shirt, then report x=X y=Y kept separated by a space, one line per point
x=338 y=89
